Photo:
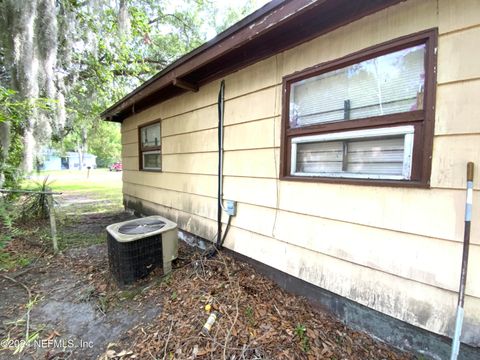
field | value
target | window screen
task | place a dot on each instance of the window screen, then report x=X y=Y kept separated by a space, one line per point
x=387 y=84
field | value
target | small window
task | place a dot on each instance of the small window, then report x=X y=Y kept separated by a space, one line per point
x=150 y=147
x=364 y=154
x=367 y=117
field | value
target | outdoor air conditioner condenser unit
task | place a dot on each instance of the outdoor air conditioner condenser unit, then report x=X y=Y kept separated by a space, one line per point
x=136 y=247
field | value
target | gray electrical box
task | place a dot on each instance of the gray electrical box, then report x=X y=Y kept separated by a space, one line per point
x=231 y=207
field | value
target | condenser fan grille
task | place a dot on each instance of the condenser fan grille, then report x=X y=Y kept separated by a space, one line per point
x=141 y=226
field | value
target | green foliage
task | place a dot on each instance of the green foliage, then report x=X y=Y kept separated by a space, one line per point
x=300 y=331
x=10 y=164
x=6 y=222
x=8 y=231
x=10 y=213
x=12 y=112
x=250 y=315
x=222 y=20
x=113 y=59
x=103 y=52
x=105 y=142
x=10 y=261
x=6 y=218
x=15 y=111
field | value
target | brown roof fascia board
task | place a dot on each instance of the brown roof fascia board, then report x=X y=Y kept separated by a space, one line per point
x=270 y=20
x=330 y=16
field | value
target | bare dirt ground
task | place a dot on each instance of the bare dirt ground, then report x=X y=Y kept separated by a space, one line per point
x=67 y=305
x=76 y=310
x=71 y=308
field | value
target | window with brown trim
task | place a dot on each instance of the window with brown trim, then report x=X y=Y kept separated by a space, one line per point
x=365 y=118
x=150 y=147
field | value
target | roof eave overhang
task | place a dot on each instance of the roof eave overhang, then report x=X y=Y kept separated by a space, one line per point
x=279 y=25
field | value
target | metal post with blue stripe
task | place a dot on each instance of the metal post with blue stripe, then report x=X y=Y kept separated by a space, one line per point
x=463 y=274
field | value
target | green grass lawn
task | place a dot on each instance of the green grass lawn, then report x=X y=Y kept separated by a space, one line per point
x=99 y=183
x=89 y=202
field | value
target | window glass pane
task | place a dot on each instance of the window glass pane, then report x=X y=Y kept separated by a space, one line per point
x=152 y=160
x=151 y=135
x=320 y=157
x=388 y=84
x=379 y=156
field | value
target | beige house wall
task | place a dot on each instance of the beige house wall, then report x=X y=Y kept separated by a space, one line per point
x=396 y=250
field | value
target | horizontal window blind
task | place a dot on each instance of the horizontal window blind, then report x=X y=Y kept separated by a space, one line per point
x=378 y=153
x=388 y=84
x=379 y=156
x=320 y=157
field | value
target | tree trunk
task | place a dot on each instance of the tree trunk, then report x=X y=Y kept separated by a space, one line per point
x=82 y=147
x=29 y=150
x=4 y=147
x=47 y=45
x=123 y=20
x=66 y=23
x=22 y=14
x=80 y=158
x=32 y=40
x=47 y=49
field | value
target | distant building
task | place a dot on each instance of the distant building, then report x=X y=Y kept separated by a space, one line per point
x=51 y=160
x=72 y=160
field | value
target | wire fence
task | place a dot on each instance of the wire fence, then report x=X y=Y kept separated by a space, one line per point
x=48 y=195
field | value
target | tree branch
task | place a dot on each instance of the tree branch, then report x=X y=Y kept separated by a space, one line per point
x=159 y=18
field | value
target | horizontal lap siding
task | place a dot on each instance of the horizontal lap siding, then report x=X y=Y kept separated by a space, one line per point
x=419 y=258
x=130 y=163
x=253 y=106
x=252 y=135
x=203 y=206
x=130 y=137
x=441 y=207
x=457 y=108
x=396 y=250
x=201 y=119
x=425 y=306
x=450 y=156
x=258 y=163
x=192 y=184
x=453 y=50
x=130 y=149
x=196 y=163
x=434 y=213
x=201 y=141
